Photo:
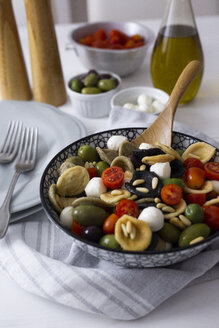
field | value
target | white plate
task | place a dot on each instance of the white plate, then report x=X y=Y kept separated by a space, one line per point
x=56 y=130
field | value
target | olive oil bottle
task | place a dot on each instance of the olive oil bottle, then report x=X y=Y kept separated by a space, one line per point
x=176 y=45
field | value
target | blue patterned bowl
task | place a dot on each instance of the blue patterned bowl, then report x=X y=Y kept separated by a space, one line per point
x=119 y=257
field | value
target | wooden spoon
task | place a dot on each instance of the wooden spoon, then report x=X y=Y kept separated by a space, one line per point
x=161 y=129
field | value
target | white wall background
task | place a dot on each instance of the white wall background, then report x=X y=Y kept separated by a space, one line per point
x=65 y=11
x=141 y=9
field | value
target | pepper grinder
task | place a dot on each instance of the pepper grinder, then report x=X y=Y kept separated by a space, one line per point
x=47 y=76
x=14 y=82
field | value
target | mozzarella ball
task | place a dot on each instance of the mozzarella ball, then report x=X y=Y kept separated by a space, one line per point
x=163 y=170
x=157 y=106
x=215 y=185
x=145 y=108
x=130 y=106
x=95 y=187
x=145 y=145
x=144 y=99
x=66 y=217
x=114 y=142
x=153 y=216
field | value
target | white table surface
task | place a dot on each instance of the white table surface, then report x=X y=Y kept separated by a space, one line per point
x=195 y=306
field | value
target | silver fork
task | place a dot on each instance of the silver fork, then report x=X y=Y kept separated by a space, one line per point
x=11 y=143
x=26 y=161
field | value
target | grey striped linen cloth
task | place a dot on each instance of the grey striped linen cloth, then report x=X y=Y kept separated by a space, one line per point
x=44 y=261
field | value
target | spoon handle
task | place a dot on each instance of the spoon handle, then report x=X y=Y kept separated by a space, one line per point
x=186 y=77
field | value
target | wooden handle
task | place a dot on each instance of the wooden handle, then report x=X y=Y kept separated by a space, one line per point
x=48 y=82
x=14 y=82
x=185 y=78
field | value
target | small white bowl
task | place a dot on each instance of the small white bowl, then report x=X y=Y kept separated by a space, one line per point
x=130 y=95
x=93 y=105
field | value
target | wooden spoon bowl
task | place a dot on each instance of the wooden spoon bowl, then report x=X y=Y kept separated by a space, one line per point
x=161 y=129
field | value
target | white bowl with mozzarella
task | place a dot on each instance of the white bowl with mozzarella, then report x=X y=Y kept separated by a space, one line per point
x=145 y=99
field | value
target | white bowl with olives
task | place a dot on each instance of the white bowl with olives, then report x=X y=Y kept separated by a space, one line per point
x=91 y=92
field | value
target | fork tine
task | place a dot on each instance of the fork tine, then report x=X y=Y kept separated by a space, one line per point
x=11 y=141
x=35 y=141
x=15 y=137
x=8 y=136
x=20 y=150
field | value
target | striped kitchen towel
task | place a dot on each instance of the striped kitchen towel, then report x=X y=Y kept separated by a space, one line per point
x=45 y=261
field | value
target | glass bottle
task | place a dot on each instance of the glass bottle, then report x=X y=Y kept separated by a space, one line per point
x=176 y=45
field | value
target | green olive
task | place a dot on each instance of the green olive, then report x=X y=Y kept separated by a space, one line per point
x=100 y=167
x=91 y=80
x=180 y=151
x=90 y=90
x=109 y=241
x=107 y=84
x=194 y=213
x=88 y=215
x=88 y=153
x=176 y=181
x=169 y=233
x=192 y=232
x=76 y=85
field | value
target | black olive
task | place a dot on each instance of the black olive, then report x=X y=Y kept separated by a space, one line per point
x=177 y=168
x=140 y=153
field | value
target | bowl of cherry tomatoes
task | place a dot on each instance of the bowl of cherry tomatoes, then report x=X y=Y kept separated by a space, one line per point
x=119 y=47
x=147 y=207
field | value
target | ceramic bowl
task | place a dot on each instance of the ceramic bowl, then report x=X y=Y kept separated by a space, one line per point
x=121 y=62
x=118 y=257
x=93 y=105
x=130 y=95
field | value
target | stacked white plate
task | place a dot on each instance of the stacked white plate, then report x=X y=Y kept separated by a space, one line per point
x=55 y=131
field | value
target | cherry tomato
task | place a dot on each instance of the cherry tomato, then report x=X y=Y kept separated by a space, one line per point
x=87 y=41
x=102 y=44
x=192 y=162
x=196 y=199
x=129 y=44
x=171 y=194
x=113 y=177
x=92 y=172
x=109 y=224
x=127 y=206
x=212 y=170
x=100 y=34
x=122 y=36
x=211 y=217
x=77 y=228
x=195 y=177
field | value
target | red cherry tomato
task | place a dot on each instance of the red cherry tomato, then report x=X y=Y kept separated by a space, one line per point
x=77 y=228
x=102 y=44
x=171 y=194
x=122 y=36
x=192 y=162
x=109 y=224
x=195 y=177
x=113 y=177
x=87 y=41
x=127 y=206
x=196 y=199
x=92 y=172
x=100 y=34
x=212 y=170
x=211 y=217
